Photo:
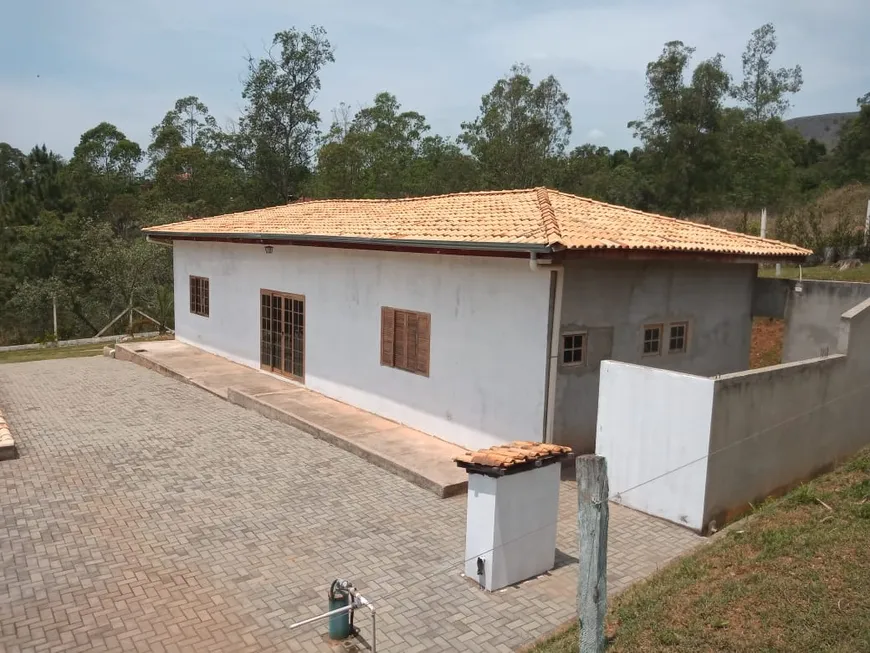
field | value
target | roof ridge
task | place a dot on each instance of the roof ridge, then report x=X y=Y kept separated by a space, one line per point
x=413 y=198
x=548 y=216
x=650 y=214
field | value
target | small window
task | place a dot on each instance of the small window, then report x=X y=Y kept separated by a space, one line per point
x=678 y=336
x=405 y=340
x=199 y=296
x=652 y=339
x=573 y=348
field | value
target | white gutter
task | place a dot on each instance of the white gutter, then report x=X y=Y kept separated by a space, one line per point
x=555 y=321
x=149 y=239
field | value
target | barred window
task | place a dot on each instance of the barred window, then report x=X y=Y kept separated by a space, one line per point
x=199 y=295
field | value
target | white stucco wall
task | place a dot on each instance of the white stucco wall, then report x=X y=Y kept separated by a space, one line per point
x=488 y=331
x=650 y=422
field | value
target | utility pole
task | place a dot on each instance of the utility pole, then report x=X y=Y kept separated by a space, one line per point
x=592 y=515
x=764 y=223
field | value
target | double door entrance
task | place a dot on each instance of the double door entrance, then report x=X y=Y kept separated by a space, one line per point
x=282 y=334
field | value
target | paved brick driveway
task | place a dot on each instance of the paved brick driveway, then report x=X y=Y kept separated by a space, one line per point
x=145 y=514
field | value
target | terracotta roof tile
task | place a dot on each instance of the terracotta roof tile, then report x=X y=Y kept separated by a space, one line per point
x=512 y=453
x=534 y=217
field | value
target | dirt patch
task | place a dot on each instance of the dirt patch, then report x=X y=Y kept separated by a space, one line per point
x=767 y=337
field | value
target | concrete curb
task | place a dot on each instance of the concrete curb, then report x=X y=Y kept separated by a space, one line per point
x=127 y=354
x=251 y=402
x=8 y=450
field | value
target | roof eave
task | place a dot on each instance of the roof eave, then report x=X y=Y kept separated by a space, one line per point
x=297 y=239
x=681 y=254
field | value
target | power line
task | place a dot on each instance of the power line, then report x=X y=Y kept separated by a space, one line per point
x=617 y=495
x=742 y=440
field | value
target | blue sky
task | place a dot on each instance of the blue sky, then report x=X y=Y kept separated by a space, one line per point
x=69 y=64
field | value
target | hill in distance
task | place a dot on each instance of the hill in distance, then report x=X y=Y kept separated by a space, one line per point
x=825 y=127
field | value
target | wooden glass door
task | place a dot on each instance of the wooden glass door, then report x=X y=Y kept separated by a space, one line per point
x=282 y=333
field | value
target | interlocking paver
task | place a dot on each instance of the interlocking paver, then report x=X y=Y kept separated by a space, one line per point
x=147 y=514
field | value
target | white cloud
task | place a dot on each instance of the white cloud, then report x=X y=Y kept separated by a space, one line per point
x=128 y=62
x=596 y=136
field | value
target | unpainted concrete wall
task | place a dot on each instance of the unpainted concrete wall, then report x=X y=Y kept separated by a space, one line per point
x=776 y=426
x=764 y=430
x=612 y=301
x=811 y=316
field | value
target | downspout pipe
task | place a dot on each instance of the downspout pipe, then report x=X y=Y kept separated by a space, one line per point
x=554 y=321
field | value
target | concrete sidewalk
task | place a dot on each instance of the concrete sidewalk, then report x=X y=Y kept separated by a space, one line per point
x=419 y=458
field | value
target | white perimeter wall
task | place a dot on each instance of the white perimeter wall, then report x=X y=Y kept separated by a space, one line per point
x=652 y=421
x=762 y=431
x=489 y=330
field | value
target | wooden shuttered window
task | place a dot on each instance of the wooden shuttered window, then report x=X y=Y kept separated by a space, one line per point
x=199 y=295
x=388 y=335
x=405 y=338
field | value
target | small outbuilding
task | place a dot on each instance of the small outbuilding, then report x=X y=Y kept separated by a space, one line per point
x=480 y=318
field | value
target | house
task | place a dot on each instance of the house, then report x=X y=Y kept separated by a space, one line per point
x=475 y=317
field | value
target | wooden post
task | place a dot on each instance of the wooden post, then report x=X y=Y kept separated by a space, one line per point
x=54 y=314
x=592 y=515
x=131 y=316
x=867 y=225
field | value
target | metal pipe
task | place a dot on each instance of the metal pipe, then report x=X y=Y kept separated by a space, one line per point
x=325 y=615
x=555 y=320
x=363 y=601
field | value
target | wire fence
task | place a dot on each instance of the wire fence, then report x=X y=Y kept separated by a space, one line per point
x=616 y=496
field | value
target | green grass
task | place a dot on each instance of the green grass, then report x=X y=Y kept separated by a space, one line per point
x=49 y=353
x=794 y=577
x=820 y=272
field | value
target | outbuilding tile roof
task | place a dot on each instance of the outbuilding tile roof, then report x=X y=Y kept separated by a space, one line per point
x=511 y=454
x=537 y=217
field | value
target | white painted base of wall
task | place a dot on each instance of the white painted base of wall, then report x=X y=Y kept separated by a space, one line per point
x=650 y=423
x=488 y=336
x=511 y=524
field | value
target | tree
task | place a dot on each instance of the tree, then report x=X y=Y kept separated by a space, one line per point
x=372 y=154
x=190 y=164
x=278 y=128
x=10 y=160
x=761 y=169
x=522 y=130
x=104 y=164
x=596 y=172
x=188 y=124
x=442 y=167
x=681 y=130
x=106 y=150
x=851 y=157
x=764 y=90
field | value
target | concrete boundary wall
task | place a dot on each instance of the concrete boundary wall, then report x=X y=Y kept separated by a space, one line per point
x=76 y=343
x=650 y=422
x=812 y=315
x=775 y=427
x=762 y=431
